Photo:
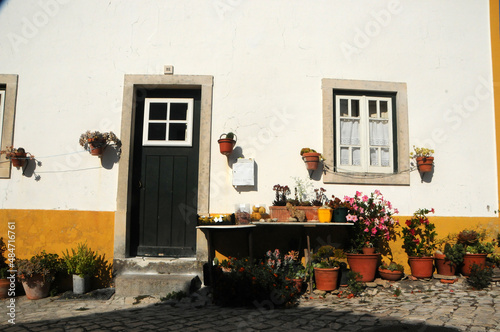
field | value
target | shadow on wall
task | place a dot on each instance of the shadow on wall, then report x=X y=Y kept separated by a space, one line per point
x=110 y=156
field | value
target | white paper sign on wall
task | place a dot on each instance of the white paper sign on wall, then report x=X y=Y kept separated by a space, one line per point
x=244 y=172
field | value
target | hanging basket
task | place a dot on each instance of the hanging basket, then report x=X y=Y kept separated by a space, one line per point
x=311 y=159
x=226 y=145
x=18 y=159
x=425 y=164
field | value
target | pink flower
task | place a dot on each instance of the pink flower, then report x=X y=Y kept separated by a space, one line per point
x=366 y=230
x=361 y=210
x=365 y=198
x=374 y=231
x=377 y=192
x=432 y=210
x=359 y=193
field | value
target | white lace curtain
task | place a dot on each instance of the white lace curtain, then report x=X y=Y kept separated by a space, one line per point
x=379 y=133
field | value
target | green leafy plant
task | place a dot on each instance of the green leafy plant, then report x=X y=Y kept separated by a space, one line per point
x=392 y=266
x=44 y=264
x=419 y=235
x=327 y=257
x=82 y=261
x=230 y=135
x=481 y=276
x=454 y=253
x=474 y=243
x=4 y=266
x=355 y=287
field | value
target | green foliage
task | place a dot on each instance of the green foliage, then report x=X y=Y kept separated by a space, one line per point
x=4 y=266
x=43 y=263
x=174 y=296
x=419 y=235
x=103 y=272
x=355 y=286
x=481 y=276
x=327 y=256
x=392 y=266
x=454 y=253
x=82 y=261
x=230 y=135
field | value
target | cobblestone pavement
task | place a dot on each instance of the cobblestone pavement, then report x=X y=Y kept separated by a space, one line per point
x=421 y=306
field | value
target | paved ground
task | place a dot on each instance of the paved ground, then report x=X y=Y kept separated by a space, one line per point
x=421 y=306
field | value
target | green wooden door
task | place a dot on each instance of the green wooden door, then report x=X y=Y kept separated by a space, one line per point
x=165 y=172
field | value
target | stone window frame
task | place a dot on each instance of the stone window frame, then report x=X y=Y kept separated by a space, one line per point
x=8 y=83
x=402 y=174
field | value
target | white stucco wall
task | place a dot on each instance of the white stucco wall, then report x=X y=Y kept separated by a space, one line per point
x=267 y=59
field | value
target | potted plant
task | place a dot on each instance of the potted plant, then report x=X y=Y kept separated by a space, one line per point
x=278 y=209
x=373 y=224
x=82 y=264
x=424 y=158
x=37 y=273
x=4 y=268
x=449 y=257
x=392 y=271
x=419 y=243
x=340 y=209
x=326 y=262
x=476 y=249
x=95 y=142
x=226 y=143
x=324 y=210
x=294 y=269
x=311 y=158
x=18 y=156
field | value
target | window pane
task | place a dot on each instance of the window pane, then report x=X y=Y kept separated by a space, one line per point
x=343 y=107
x=356 y=156
x=355 y=108
x=374 y=156
x=344 y=156
x=379 y=133
x=157 y=131
x=372 y=108
x=158 y=111
x=384 y=111
x=386 y=157
x=178 y=111
x=349 y=132
x=177 y=132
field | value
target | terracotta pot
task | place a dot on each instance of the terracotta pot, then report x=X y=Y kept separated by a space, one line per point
x=19 y=159
x=444 y=266
x=340 y=214
x=325 y=215
x=298 y=284
x=326 y=278
x=366 y=265
x=421 y=267
x=425 y=164
x=311 y=159
x=279 y=212
x=311 y=212
x=96 y=151
x=471 y=259
x=390 y=275
x=36 y=287
x=4 y=288
x=368 y=251
x=226 y=145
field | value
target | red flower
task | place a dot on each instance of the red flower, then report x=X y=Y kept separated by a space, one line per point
x=241 y=269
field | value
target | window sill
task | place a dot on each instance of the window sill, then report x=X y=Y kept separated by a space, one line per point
x=400 y=179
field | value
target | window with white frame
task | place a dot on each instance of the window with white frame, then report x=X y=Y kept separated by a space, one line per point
x=168 y=122
x=8 y=96
x=365 y=132
x=2 y=107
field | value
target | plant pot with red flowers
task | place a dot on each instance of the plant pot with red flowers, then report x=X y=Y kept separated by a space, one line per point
x=311 y=158
x=96 y=142
x=226 y=143
x=419 y=243
x=373 y=227
x=37 y=273
x=392 y=271
x=18 y=156
x=326 y=263
x=424 y=159
x=476 y=249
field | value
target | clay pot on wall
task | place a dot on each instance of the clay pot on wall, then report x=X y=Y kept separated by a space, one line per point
x=226 y=143
x=425 y=164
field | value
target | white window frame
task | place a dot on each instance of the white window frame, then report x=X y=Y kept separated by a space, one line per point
x=401 y=165
x=2 y=112
x=364 y=134
x=9 y=84
x=189 y=122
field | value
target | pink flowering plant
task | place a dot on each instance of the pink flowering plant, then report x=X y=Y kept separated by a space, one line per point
x=372 y=218
x=419 y=235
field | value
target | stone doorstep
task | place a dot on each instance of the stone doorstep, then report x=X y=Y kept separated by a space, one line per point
x=157 y=265
x=133 y=284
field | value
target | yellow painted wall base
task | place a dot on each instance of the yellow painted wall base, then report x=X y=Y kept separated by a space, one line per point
x=55 y=231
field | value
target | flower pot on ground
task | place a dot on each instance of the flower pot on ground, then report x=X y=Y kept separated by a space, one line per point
x=391 y=272
x=326 y=263
x=364 y=264
x=449 y=259
x=421 y=267
x=476 y=249
x=311 y=158
x=470 y=260
x=37 y=273
x=443 y=266
x=82 y=264
x=227 y=143
x=4 y=268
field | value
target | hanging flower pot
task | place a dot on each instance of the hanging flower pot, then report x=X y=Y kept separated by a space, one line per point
x=311 y=158
x=96 y=142
x=227 y=143
x=18 y=156
x=18 y=159
x=425 y=164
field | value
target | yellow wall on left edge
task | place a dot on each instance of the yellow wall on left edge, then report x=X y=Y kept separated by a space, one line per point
x=57 y=230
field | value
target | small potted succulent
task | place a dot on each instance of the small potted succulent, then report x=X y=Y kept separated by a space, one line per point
x=476 y=249
x=82 y=264
x=424 y=158
x=37 y=273
x=226 y=143
x=18 y=156
x=95 y=142
x=392 y=271
x=326 y=262
x=311 y=158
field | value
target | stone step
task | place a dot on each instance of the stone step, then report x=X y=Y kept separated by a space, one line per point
x=133 y=284
x=155 y=265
